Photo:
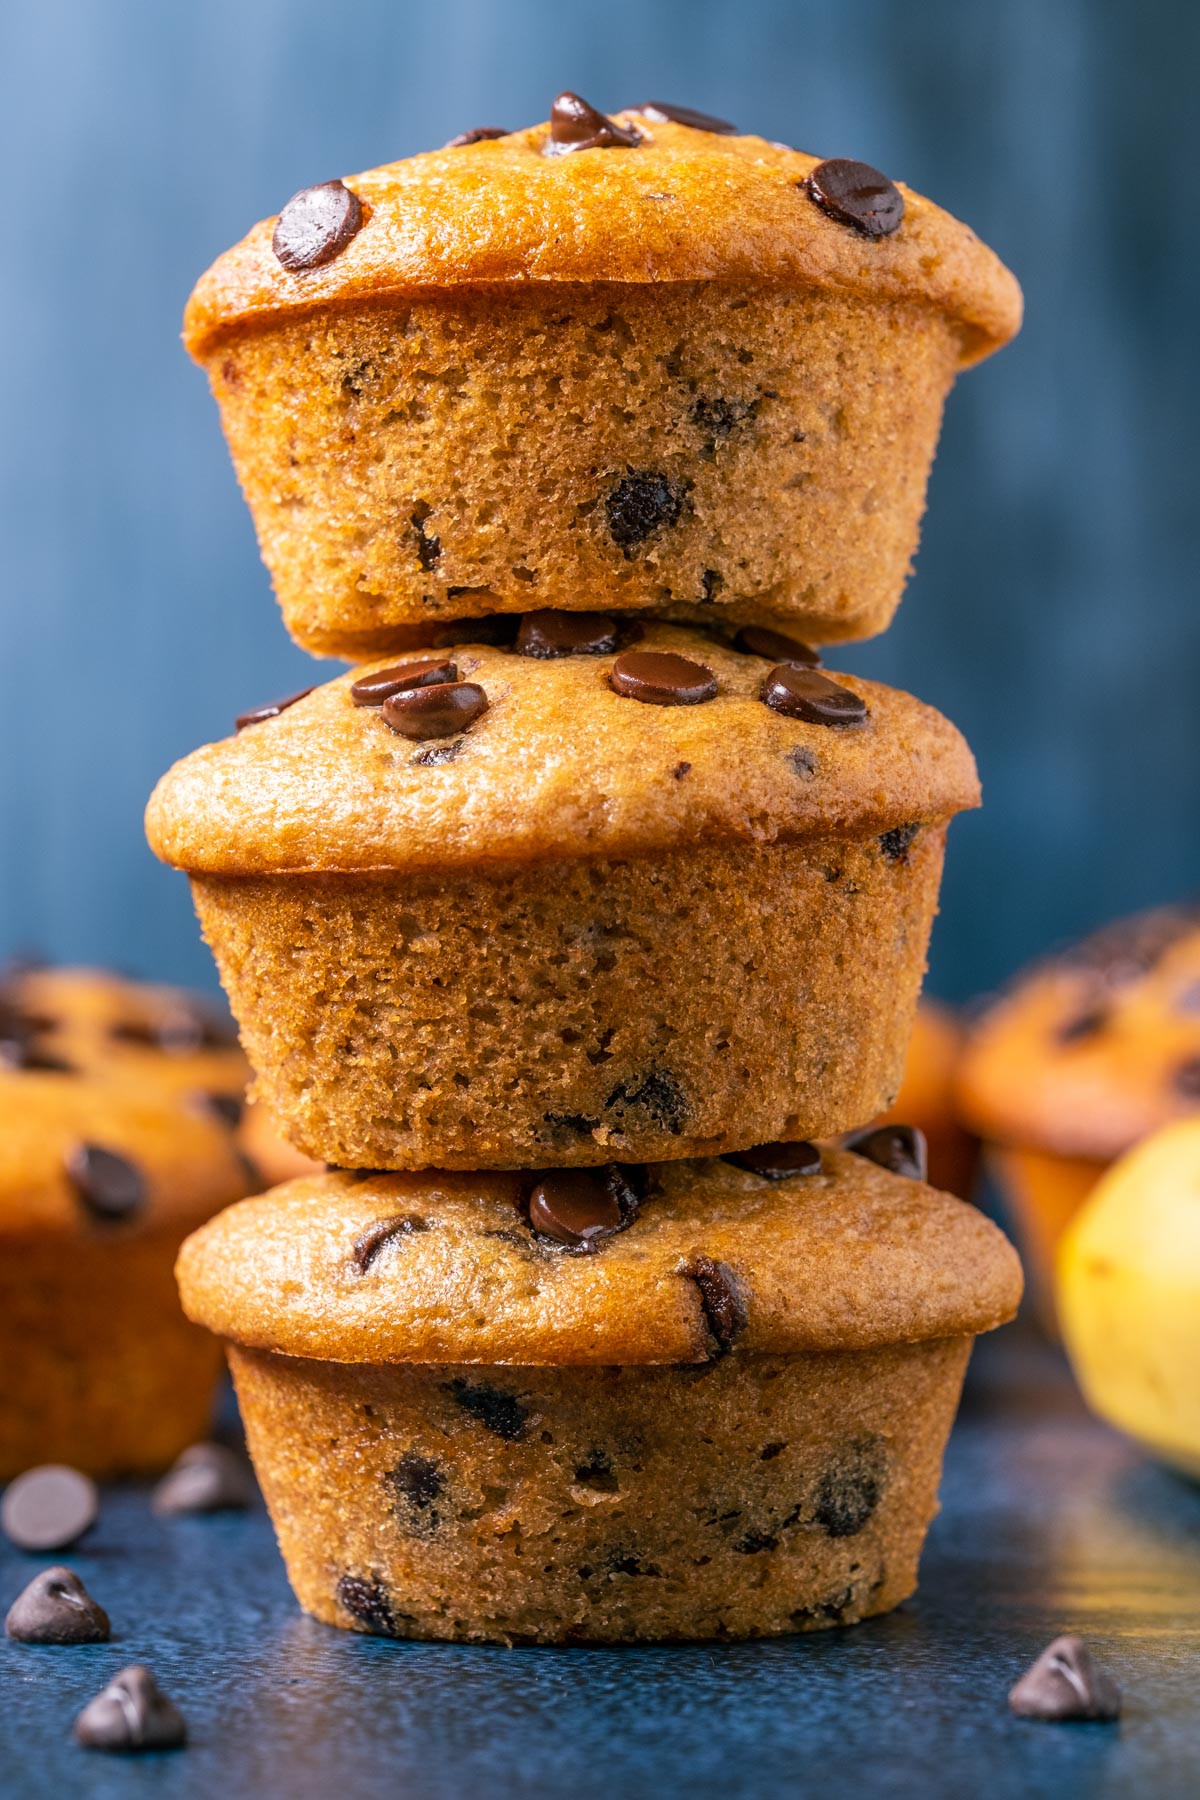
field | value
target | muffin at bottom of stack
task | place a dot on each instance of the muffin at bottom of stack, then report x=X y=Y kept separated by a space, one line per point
x=679 y=1402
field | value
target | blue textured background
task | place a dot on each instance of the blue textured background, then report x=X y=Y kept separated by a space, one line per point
x=1053 y=613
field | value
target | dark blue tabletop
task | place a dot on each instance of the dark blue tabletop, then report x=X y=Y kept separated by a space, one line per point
x=1049 y=1522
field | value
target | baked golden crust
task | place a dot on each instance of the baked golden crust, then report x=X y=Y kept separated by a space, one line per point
x=558 y=766
x=684 y=205
x=850 y=1258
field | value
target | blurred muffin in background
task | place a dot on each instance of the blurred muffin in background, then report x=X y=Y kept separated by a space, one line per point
x=1087 y=1053
x=927 y=1099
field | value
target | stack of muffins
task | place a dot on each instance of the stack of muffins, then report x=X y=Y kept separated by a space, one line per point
x=566 y=924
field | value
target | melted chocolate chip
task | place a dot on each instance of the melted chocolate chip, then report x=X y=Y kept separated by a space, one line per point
x=857 y=195
x=316 y=225
x=1066 y=1683
x=721 y=1300
x=575 y=125
x=476 y=135
x=497 y=1411
x=849 y=1492
x=778 y=1162
x=641 y=503
x=660 y=678
x=662 y=111
x=1082 y=1025
x=1187 y=1079
x=110 y=1186
x=435 y=712
x=204 y=1478
x=56 y=1608
x=657 y=1094
x=809 y=695
x=367 y=1600
x=368 y=1244
x=48 y=1508
x=374 y=689
x=897 y=842
x=776 y=647
x=131 y=1713
x=899 y=1148
x=580 y=1209
x=271 y=710
x=551 y=634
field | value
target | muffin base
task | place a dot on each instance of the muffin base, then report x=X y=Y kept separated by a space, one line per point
x=687 y=446
x=571 y=1013
x=750 y=1496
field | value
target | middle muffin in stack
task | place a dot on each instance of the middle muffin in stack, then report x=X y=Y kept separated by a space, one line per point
x=593 y=893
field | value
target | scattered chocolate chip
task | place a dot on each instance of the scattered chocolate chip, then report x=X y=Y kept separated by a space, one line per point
x=316 y=225
x=495 y=1410
x=368 y=1244
x=776 y=647
x=1066 y=1683
x=807 y=694
x=1187 y=1079
x=681 y=769
x=1082 y=1025
x=897 y=842
x=848 y=1494
x=574 y=125
x=580 y=1209
x=204 y=1478
x=721 y=1299
x=435 y=712
x=662 y=112
x=778 y=1162
x=131 y=1713
x=900 y=1148
x=641 y=503
x=660 y=678
x=499 y=629
x=49 y=1507
x=110 y=1186
x=227 y=1108
x=476 y=135
x=367 y=1600
x=416 y=1483
x=271 y=710
x=549 y=634
x=400 y=678
x=657 y=1094
x=56 y=1608
x=855 y=194
x=429 y=547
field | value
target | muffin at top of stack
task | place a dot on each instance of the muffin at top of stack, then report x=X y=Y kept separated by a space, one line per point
x=642 y=361
x=647 y=903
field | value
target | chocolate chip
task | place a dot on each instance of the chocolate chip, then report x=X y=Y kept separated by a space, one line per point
x=661 y=111
x=477 y=135
x=49 y=1507
x=1081 y=1025
x=641 y=503
x=495 y=1410
x=436 y=755
x=131 y=1713
x=681 y=769
x=549 y=634
x=204 y=1478
x=806 y=694
x=848 y=1493
x=367 y=1600
x=718 y=417
x=580 y=1209
x=1066 y=1683
x=271 y=710
x=110 y=1186
x=660 y=678
x=574 y=125
x=368 y=1244
x=226 y=1108
x=776 y=647
x=897 y=842
x=56 y=1608
x=488 y=628
x=900 y=1148
x=400 y=678
x=435 y=712
x=657 y=1094
x=316 y=225
x=1187 y=1079
x=855 y=194
x=722 y=1301
x=778 y=1162
x=416 y=1483
x=429 y=547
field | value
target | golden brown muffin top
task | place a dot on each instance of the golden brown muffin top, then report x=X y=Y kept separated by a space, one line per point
x=559 y=765
x=680 y=204
x=83 y=1154
x=1089 y=1052
x=449 y=1268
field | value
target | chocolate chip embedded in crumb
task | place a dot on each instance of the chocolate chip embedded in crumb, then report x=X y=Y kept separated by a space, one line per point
x=316 y=225
x=576 y=125
x=549 y=634
x=400 y=678
x=110 y=1186
x=778 y=1162
x=722 y=1301
x=776 y=647
x=369 y=1243
x=662 y=112
x=478 y=134
x=806 y=694
x=271 y=710
x=1066 y=1683
x=580 y=1209
x=849 y=1492
x=429 y=547
x=657 y=1095
x=435 y=712
x=660 y=678
x=49 y=1507
x=899 y=1148
x=497 y=1411
x=415 y=1484
x=499 y=629
x=897 y=842
x=131 y=1713
x=641 y=503
x=680 y=770
x=56 y=1608
x=857 y=195
x=366 y=1599
x=204 y=1478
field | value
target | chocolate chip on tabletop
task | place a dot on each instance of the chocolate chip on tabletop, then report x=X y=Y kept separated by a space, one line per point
x=56 y=1608
x=664 y=112
x=661 y=678
x=776 y=647
x=440 y=711
x=131 y=1713
x=548 y=634
x=110 y=1186
x=316 y=225
x=577 y=125
x=807 y=694
x=271 y=710
x=899 y=1148
x=478 y=134
x=401 y=678
x=205 y=1478
x=1065 y=1683
x=49 y=1507
x=857 y=195
x=778 y=1162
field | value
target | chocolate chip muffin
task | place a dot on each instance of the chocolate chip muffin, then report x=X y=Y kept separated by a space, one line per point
x=640 y=361
x=703 y=1399
x=650 y=903
x=100 y=1181
x=1085 y=1055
